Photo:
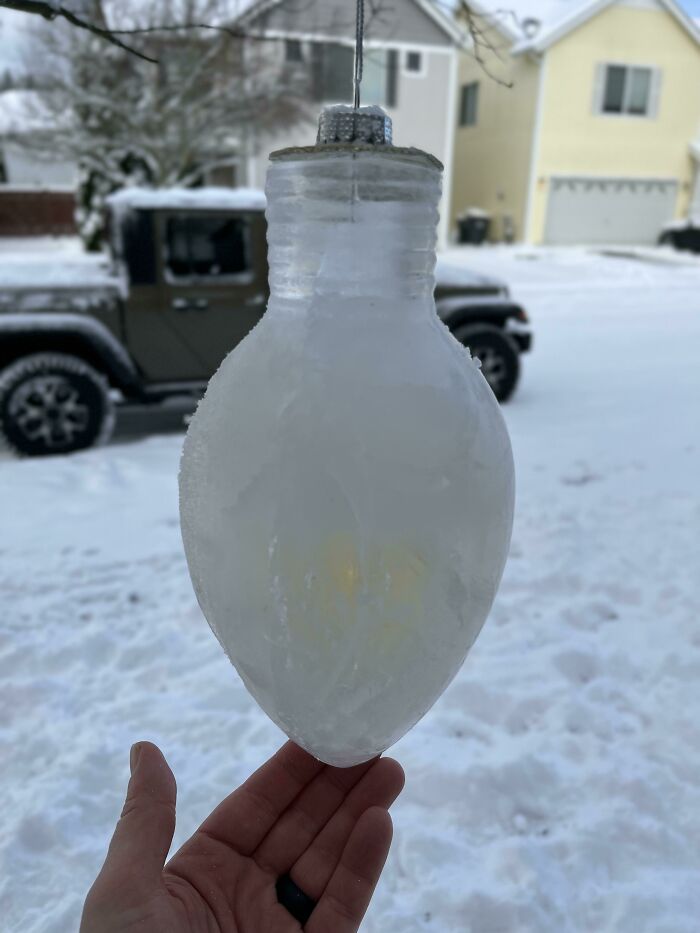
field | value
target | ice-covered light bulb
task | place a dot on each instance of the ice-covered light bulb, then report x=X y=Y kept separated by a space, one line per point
x=347 y=481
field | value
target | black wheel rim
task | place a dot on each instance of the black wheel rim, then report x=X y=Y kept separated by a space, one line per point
x=493 y=366
x=49 y=410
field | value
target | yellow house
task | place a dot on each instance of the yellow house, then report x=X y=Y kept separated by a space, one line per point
x=583 y=127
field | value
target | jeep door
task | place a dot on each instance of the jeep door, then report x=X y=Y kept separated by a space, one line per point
x=159 y=350
x=213 y=279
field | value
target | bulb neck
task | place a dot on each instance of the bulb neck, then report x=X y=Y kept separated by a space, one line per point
x=352 y=221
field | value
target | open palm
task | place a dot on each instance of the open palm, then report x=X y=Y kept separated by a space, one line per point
x=326 y=828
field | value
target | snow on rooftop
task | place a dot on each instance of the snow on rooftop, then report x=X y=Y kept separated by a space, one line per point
x=548 y=16
x=513 y=14
x=22 y=111
x=236 y=199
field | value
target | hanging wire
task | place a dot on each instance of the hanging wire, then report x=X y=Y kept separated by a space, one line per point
x=359 y=53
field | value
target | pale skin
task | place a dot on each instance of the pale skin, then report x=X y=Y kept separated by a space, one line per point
x=328 y=828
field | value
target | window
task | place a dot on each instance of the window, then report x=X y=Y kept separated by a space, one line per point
x=413 y=63
x=293 y=52
x=627 y=90
x=223 y=176
x=332 y=71
x=207 y=246
x=469 y=104
x=374 y=77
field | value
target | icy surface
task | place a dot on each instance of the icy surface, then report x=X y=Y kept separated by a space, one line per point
x=555 y=786
x=347 y=481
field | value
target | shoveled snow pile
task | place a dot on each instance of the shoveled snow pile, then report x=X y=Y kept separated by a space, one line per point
x=555 y=788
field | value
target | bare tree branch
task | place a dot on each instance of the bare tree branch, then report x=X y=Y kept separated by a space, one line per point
x=52 y=11
x=184 y=27
x=480 y=27
x=124 y=122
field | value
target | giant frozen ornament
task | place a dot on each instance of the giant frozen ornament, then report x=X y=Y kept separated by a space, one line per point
x=347 y=481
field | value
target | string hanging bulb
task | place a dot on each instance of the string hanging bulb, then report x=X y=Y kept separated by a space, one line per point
x=346 y=124
x=359 y=52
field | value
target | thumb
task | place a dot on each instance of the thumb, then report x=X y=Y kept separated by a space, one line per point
x=145 y=829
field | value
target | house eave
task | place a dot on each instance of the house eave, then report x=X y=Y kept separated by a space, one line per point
x=489 y=16
x=547 y=38
x=451 y=29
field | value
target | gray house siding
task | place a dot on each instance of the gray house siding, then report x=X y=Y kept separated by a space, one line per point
x=401 y=19
x=422 y=104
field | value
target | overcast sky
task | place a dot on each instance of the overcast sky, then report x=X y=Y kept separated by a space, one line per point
x=12 y=24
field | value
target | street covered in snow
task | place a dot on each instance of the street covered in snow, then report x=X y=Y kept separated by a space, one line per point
x=555 y=788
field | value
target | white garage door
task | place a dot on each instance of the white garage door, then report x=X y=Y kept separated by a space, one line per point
x=608 y=210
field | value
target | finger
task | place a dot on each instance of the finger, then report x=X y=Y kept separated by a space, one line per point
x=380 y=786
x=145 y=829
x=350 y=889
x=299 y=825
x=245 y=817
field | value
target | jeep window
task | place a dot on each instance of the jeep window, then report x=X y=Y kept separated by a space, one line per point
x=207 y=247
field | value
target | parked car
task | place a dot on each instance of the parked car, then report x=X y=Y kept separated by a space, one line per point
x=682 y=234
x=187 y=279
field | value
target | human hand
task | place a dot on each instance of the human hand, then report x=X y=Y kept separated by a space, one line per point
x=326 y=828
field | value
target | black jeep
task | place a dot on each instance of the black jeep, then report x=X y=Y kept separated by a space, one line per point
x=185 y=282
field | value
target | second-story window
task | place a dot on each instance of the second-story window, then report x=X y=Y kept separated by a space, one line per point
x=413 y=63
x=627 y=90
x=469 y=104
x=293 y=52
x=332 y=70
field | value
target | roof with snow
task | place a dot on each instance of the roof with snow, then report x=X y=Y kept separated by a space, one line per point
x=23 y=111
x=224 y=199
x=551 y=20
x=389 y=18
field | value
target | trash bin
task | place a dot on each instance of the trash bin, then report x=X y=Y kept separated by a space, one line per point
x=473 y=227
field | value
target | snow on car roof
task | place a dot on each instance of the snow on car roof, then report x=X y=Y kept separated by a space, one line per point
x=238 y=199
x=683 y=223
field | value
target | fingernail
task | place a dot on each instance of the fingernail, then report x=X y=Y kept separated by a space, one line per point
x=134 y=756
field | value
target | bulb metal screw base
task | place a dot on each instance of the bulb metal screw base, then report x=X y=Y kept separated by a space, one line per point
x=366 y=125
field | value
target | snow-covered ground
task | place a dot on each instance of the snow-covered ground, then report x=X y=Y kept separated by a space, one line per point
x=556 y=785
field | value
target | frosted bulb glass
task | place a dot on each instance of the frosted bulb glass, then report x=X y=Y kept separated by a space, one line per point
x=347 y=481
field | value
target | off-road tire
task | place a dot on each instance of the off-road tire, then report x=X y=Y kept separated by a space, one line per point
x=499 y=357
x=53 y=403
